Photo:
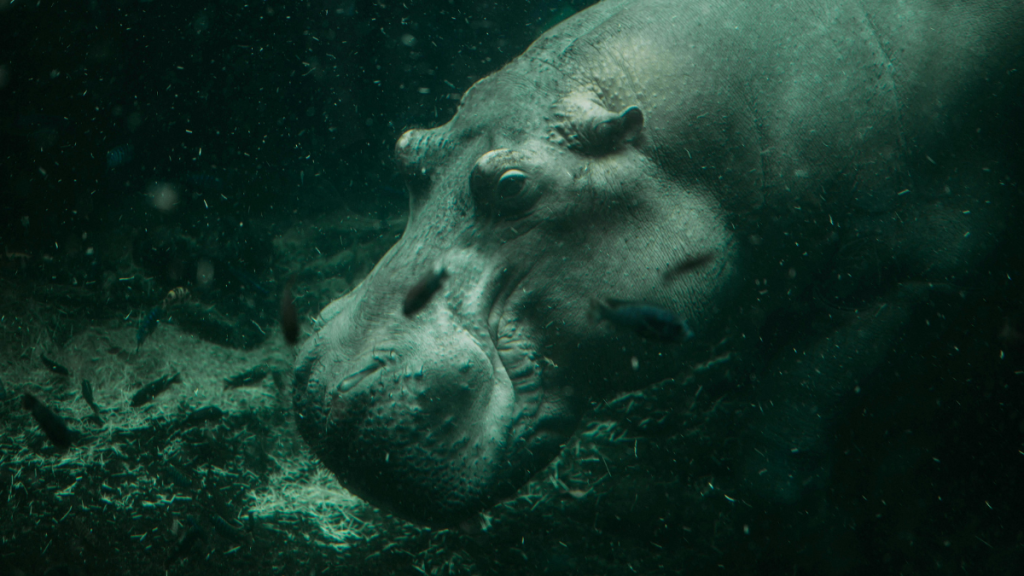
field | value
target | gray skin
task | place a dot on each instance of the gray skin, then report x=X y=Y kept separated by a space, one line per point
x=837 y=161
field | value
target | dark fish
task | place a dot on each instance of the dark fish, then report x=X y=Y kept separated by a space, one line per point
x=148 y=325
x=397 y=192
x=649 y=321
x=247 y=278
x=686 y=266
x=87 y=395
x=421 y=294
x=289 y=317
x=51 y=424
x=53 y=366
x=178 y=478
x=203 y=181
x=120 y=155
x=205 y=414
x=41 y=129
x=36 y=121
x=225 y=529
x=247 y=378
x=151 y=390
x=194 y=534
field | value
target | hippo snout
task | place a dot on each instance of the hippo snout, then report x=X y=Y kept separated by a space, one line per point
x=418 y=413
x=419 y=423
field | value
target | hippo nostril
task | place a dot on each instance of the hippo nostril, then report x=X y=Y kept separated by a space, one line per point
x=351 y=380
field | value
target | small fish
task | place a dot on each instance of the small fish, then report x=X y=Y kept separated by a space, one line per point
x=204 y=181
x=686 y=266
x=247 y=378
x=204 y=414
x=178 y=477
x=53 y=366
x=421 y=294
x=38 y=121
x=225 y=529
x=289 y=316
x=87 y=395
x=247 y=278
x=396 y=192
x=649 y=321
x=176 y=296
x=148 y=325
x=154 y=388
x=52 y=425
x=120 y=155
x=194 y=534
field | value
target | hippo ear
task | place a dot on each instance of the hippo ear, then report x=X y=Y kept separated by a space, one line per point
x=617 y=129
x=588 y=127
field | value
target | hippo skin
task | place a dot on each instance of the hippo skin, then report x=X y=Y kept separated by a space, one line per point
x=840 y=162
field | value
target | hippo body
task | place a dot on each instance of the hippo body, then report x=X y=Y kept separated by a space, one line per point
x=729 y=162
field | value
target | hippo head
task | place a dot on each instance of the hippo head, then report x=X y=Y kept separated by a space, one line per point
x=534 y=200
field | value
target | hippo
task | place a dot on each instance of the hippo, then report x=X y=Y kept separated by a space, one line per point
x=834 y=164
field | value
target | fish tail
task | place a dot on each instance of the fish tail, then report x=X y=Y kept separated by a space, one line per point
x=599 y=309
x=688 y=332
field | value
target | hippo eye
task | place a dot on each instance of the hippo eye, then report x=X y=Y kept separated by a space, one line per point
x=511 y=183
x=503 y=183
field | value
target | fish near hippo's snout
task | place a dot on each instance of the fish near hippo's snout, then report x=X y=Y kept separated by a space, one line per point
x=435 y=416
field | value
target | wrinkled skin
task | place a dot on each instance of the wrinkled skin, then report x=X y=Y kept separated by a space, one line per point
x=768 y=145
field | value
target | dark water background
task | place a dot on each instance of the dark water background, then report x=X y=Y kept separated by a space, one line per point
x=263 y=116
x=291 y=107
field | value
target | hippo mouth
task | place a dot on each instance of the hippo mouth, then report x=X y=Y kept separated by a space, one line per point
x=525 y=368
x=443 y=418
